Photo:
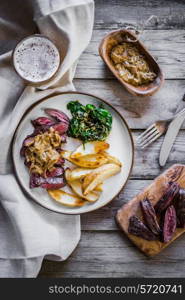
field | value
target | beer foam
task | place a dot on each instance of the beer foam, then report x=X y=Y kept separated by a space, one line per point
x=36 y=59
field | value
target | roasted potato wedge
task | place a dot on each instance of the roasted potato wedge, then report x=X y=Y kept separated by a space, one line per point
x=66 y=154
x=99 y=188
x=76 y=186
x=90 y=148
x=112 y=159
x=92 y=175
x=101 y=174
x=88 y=161
x=66 y=198
x=79 y=173
x=89 y=178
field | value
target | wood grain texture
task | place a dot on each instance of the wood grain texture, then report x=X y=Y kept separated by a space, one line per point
x=139 y=112
x=114 y=14
x=167 y=47
x=111 y=254
x=146 y=164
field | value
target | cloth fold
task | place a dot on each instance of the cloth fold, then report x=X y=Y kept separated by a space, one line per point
x=28 y=232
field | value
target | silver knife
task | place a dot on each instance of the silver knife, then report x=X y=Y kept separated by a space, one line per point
x=170 y=136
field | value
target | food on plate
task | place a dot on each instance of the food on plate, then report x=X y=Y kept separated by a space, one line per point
x=91 y=160
x=89 y=123
x=88 y=179
x=42 y=121
x=54 y=180
x=78 y=173
x=99 y=187
x=90 y=148
x=131 y=65
x=98 y=176
x=58 y=115
x=87 y=183
x=66 y=198
x=76 y=186
x=45 y=157
x=42 y=150
x=87 y=161
x=112 y=159
x=170 y=224
x=41 y=154
x=150 y=216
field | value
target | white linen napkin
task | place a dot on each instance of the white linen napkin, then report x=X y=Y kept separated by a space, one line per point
x=28 y=232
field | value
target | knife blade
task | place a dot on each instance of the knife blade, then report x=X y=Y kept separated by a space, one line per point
x=170 y=137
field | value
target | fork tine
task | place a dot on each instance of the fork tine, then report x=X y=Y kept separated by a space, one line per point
x=148 y=129
x=151 y=141
x=149 y=138
x=148 y=135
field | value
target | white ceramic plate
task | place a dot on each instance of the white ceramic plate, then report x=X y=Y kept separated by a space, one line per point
x=121 y=146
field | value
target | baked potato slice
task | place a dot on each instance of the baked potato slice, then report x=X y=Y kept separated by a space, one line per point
x=101 y=174
x=66 y=199
x=76 y=186
x=99 y=188
x=88 y=161
x=112 y=159
x=90 y=148
x=89 y=178
x=79 y=173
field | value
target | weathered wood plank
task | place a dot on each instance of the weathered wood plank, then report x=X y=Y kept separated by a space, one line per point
x=139 y=112
x=146 y=164
x=116 y=13
x=167 y=46
x=111 y=254
x=146 y=160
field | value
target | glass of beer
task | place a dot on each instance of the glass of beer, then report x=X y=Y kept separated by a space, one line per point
x=36 y=59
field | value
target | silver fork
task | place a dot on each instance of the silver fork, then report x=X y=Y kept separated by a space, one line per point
x=154 y=132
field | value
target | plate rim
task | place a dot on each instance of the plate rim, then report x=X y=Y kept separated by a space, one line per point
x=30 y=108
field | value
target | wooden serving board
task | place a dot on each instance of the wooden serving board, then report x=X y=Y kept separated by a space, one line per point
x=153 y=192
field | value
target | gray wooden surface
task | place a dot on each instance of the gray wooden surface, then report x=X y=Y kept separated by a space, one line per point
x=104 y=251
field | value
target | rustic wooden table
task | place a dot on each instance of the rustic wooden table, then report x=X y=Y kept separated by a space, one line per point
x=104 y=251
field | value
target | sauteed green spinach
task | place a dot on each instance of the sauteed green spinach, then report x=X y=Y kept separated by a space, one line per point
x=89 y=123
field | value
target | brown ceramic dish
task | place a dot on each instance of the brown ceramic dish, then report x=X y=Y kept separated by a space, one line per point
x=117 y=37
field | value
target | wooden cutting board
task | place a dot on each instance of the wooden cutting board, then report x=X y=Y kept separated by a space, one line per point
x=153 y=192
